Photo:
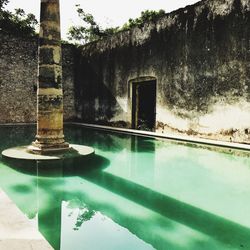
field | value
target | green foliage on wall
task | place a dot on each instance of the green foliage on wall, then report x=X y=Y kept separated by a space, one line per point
x=90 y=31
x=18 y=23
x=146 y=16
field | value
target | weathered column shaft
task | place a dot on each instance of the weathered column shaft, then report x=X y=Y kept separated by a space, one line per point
x=49 y=93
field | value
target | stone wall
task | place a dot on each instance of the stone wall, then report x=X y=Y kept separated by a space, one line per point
x=200 y=57
x=18 y=79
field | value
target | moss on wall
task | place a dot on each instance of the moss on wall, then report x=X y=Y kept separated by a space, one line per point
x=200 y=57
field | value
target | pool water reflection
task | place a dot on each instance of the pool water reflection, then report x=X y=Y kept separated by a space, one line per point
x=136 y=193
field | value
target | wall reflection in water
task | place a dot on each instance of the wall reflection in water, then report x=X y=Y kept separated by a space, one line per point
x=111 y=201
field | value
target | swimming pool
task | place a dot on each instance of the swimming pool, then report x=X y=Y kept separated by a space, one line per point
x=136 y=193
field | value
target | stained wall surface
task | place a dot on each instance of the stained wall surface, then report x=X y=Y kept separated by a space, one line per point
x=199 y=56
x=18 y=79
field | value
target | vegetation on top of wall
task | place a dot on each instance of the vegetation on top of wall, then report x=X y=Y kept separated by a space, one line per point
x=18 y=23
x=90 y=31
x=146 y=16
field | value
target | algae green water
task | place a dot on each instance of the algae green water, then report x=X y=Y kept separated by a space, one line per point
x=136 y=193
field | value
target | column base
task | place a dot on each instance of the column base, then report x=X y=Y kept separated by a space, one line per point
x=48 y=149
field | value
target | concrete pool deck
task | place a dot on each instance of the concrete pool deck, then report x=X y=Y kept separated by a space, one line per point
x=16 y=231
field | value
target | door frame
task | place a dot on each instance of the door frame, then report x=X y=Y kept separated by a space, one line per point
x=133 y=98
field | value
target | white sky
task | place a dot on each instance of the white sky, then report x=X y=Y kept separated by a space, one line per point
x=107 y=13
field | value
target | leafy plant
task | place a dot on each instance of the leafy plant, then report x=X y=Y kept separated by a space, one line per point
x=90 y=31
x=146 y=16
x=3 y=3
x=18 y=22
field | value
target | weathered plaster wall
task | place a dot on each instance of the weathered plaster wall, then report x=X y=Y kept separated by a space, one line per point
x=200 y=56
x=18 y=79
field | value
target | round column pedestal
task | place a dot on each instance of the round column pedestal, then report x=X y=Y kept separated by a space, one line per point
x=47 y=149
x=32 y=153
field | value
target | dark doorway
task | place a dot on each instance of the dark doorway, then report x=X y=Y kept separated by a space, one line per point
x=144 y=105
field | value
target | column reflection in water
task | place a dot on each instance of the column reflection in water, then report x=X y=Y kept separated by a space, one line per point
x=49 y=199
x=127 y=200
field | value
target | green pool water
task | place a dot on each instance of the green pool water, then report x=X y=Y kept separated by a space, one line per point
x=136 y=193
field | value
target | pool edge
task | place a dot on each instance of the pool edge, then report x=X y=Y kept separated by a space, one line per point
x=181 y=138
x=174 y=137
x=16 y=231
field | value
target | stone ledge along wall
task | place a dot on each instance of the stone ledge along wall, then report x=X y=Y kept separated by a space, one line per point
x=18 y=79
x=200 y=57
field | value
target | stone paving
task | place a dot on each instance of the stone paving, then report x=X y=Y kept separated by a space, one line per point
x=16 y=231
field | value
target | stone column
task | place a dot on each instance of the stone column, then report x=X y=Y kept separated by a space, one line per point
x=49 y=136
